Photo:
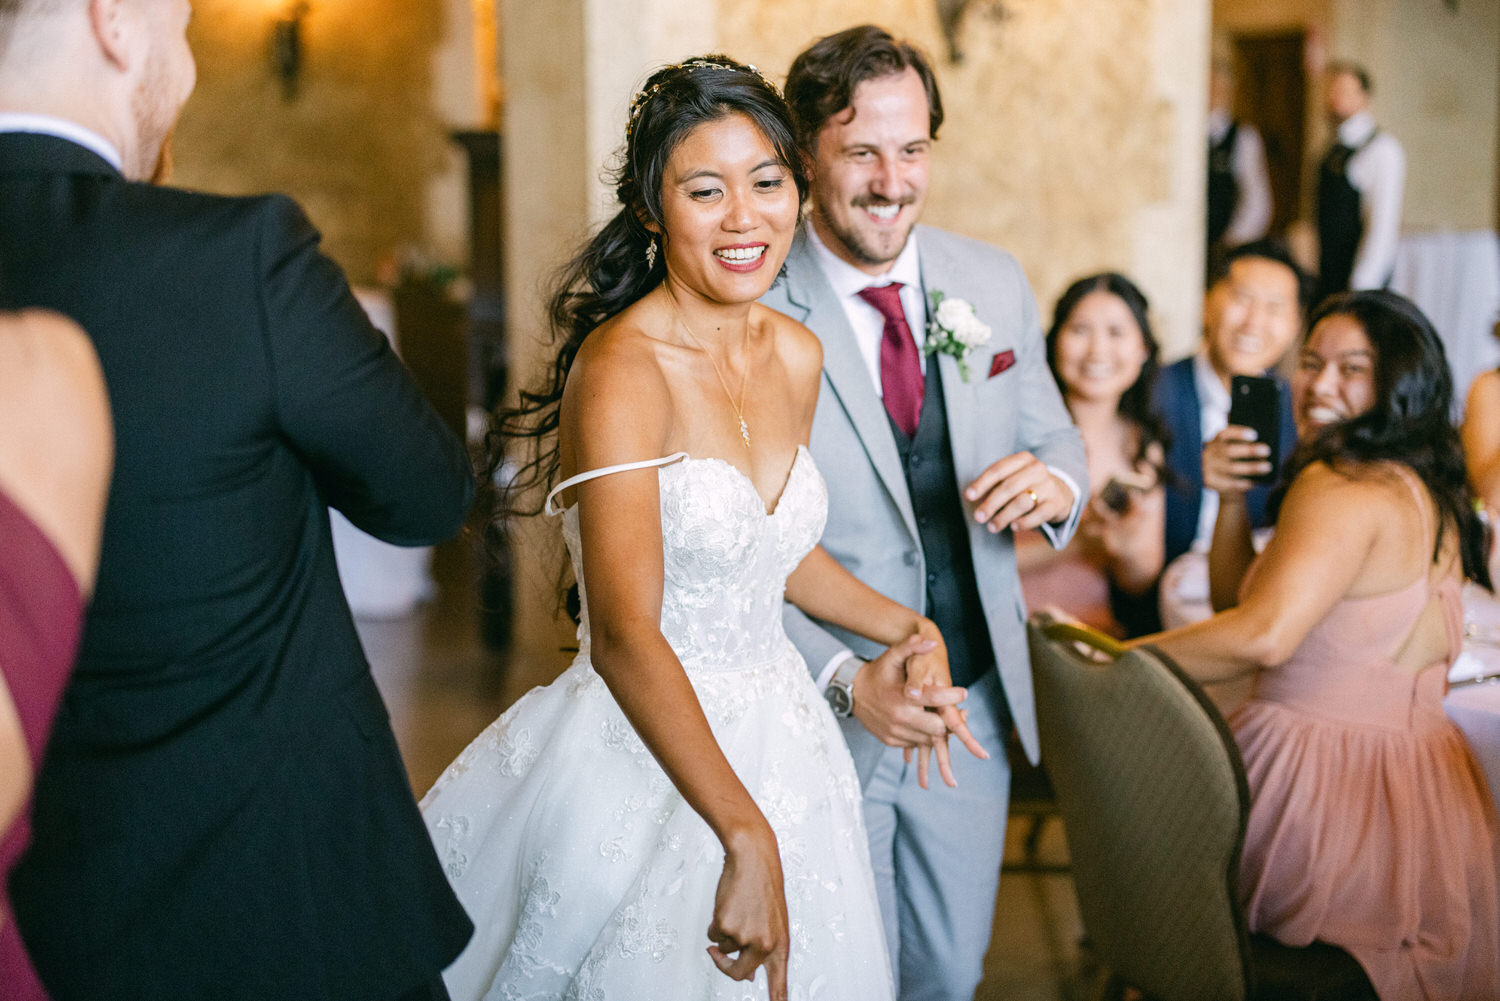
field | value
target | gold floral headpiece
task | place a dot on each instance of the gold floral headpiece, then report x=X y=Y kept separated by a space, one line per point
x=643 y=97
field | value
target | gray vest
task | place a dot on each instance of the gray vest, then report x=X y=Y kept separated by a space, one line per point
x=952 y=594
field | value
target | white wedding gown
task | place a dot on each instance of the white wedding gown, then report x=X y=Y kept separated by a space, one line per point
x=586 y=874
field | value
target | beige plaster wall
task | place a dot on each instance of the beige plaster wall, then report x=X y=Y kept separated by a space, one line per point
x=1435 y=73
x=358 y=147
x=1437 y=89
x=1074 y=132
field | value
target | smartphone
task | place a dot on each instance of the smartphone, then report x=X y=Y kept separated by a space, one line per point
x=1255 y=402
x=1115 y=496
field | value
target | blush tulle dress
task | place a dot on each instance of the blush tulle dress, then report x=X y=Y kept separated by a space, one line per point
x=1371 y=826
x=586 y=874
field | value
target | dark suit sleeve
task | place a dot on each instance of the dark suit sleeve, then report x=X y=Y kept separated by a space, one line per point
x=378 y=451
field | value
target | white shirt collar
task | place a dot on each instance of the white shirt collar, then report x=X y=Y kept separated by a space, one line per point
x=1356 y=128
x=1218 y=124
x=48 y=125
x=1213 y=398
x=847 y=280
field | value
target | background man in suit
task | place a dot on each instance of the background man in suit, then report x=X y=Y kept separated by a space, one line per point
x=222 y=812
x=1360 y=188
x=1239 y=187
x=922 y=489
x=1252 y=312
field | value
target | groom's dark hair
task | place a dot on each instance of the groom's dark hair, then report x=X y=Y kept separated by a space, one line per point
x=822 y=80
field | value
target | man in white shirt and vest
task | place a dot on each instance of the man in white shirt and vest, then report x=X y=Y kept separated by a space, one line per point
x=1360 y=184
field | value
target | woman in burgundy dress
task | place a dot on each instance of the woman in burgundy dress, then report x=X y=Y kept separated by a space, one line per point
x=55 y=459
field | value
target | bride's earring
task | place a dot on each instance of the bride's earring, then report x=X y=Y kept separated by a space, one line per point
x=651 y=254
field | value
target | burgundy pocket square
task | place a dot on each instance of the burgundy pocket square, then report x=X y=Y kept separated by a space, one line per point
x=1002 y=361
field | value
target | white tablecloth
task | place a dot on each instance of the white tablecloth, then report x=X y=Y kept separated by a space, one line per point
x=381 y=581
x=1455 y=278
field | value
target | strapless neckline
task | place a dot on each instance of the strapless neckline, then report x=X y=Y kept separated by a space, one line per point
x=771 y=510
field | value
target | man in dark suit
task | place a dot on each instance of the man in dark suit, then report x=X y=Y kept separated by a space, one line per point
x=1252 y=313
x=222 y=812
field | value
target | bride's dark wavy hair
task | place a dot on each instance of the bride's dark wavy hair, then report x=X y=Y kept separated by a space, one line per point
x=1410 y=422
x=611 y=271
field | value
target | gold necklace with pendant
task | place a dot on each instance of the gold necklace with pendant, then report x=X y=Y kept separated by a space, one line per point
x=739 y=409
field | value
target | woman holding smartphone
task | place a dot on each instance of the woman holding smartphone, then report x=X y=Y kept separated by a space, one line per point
x=1104 y=358
x=1371 y=826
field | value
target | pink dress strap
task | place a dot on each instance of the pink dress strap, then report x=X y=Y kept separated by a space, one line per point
x=1447 y=590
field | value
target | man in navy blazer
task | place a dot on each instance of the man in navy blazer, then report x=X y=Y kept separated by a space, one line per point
x=222 y=811
x=1252 y=313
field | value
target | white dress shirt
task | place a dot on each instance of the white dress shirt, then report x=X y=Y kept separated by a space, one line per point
x=1378 y=173
x=1247 y=161
x=1213 y=417
x=47 y=125
x=865 y=320
x=869 y=330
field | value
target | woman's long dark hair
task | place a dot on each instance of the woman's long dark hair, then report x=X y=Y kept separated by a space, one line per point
x=1410 y=422
x=612 y=271
x=1135 y=403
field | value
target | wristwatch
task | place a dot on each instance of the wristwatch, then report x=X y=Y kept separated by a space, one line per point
x=840 y=690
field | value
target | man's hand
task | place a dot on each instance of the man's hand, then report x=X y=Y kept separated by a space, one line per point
x=1018 y=491
x=900 y=715
x=1232 y=458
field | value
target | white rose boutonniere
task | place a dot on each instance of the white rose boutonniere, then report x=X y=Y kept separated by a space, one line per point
x=954 y=329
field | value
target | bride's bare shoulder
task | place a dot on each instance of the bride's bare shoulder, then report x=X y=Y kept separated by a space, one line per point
x=796 y=345
x=616 y=376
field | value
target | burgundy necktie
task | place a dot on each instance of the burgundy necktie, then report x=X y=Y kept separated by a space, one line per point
x=900 y=369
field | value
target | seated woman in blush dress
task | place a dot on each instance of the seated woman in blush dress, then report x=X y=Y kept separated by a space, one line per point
x=1371 y=827
x=1103 y=356
x=55 y=458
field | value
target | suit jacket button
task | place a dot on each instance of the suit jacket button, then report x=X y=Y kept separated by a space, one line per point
x=932 y=576
x=909 y=558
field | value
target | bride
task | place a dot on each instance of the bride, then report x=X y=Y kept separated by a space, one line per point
x=683 y=776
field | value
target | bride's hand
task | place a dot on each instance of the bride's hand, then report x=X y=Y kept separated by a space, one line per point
x=749 y=927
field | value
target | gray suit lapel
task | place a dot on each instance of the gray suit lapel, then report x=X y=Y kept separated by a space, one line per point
x=948 y=273
x=809 y=291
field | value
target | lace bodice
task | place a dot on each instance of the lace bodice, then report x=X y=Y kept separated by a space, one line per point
x=725 y=560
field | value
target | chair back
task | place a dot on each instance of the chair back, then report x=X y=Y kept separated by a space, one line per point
x=1154 y=802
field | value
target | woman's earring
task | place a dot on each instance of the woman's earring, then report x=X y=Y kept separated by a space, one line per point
x=651 y=254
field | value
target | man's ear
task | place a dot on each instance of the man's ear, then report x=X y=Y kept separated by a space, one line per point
x=114 y=24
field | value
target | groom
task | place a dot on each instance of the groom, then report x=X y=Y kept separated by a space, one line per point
x=924 y=490
x=222 y=812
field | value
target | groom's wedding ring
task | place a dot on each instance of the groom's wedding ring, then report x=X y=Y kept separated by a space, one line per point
x=1032 y=495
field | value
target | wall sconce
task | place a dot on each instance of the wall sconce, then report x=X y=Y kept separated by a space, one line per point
x=286 y=46
x=951 y=14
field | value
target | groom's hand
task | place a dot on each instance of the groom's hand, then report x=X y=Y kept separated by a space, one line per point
x=1018 y=490
x=898 y=715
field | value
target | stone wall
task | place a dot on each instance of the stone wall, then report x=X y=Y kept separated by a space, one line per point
x=364 y=145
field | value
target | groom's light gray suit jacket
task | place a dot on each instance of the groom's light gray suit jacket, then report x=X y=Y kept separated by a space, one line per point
x=871 y=526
